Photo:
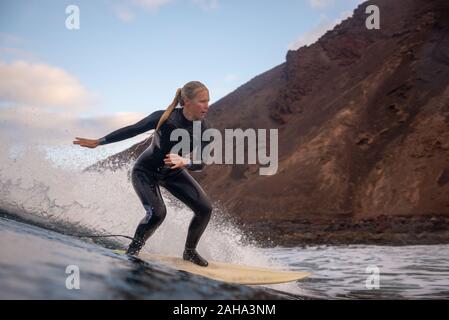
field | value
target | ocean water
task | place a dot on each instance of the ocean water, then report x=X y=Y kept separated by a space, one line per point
x=43 y=202
x=35 y=264
x=368 y=272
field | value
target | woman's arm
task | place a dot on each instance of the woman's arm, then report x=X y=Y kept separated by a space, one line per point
x=147 y=123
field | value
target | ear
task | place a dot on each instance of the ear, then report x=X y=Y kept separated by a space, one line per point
x=186 y=100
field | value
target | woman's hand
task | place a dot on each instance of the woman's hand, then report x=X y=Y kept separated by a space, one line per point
x=89 y=143
x=175 y=161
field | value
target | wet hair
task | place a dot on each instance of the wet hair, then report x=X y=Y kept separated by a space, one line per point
x=189 y=90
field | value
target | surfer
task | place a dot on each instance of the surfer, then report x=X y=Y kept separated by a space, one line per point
x=156 y=166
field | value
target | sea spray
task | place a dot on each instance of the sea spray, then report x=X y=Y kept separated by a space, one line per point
x=43 y=181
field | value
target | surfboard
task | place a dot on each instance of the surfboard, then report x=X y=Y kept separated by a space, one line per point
x=226 y=272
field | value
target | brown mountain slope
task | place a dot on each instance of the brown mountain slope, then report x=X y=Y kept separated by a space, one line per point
x=363 y=121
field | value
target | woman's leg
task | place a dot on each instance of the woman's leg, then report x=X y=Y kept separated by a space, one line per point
x=184 y=187
x=147 y=189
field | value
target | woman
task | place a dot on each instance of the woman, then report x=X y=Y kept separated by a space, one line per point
x=156 y=166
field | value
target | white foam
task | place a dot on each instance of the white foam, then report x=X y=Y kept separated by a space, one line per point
x=48 y=181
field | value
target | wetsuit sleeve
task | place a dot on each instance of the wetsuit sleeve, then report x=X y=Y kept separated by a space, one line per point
x=199 y=166
x=147 y=123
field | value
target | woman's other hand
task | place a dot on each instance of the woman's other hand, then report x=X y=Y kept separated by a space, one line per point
x=174 y=161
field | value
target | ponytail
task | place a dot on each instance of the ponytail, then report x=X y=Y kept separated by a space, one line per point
x=188 y=91
x=170 y=108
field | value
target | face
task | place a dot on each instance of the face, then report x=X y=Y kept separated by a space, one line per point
x=199 y=105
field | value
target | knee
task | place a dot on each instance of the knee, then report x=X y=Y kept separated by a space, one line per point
x=155 y=214
x=135 y=173
x=205 y=209
x=161 y=213
x=137 y=180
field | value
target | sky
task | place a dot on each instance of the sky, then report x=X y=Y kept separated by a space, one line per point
x=128 y=57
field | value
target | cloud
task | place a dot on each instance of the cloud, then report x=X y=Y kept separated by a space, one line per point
x=41 y=105
x=124 y=9
x=126 y=14
x=207 y=4
x=231 y=77
x=9 y=50
x=320 y=3
x=153 y=5
x=150 y=5
x=313 y=35
x=15 y=53
x=115 y=120
x=7 y=39
x=41 y=85
x=27 y=124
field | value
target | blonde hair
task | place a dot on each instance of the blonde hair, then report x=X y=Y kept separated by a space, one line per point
x=188 y=90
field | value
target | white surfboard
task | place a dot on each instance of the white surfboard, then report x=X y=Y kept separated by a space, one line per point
x=226 y=272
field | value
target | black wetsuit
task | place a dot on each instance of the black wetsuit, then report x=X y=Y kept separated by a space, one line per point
x=149 y=172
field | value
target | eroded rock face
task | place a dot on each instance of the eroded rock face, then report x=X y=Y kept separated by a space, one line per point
x=363 y=119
